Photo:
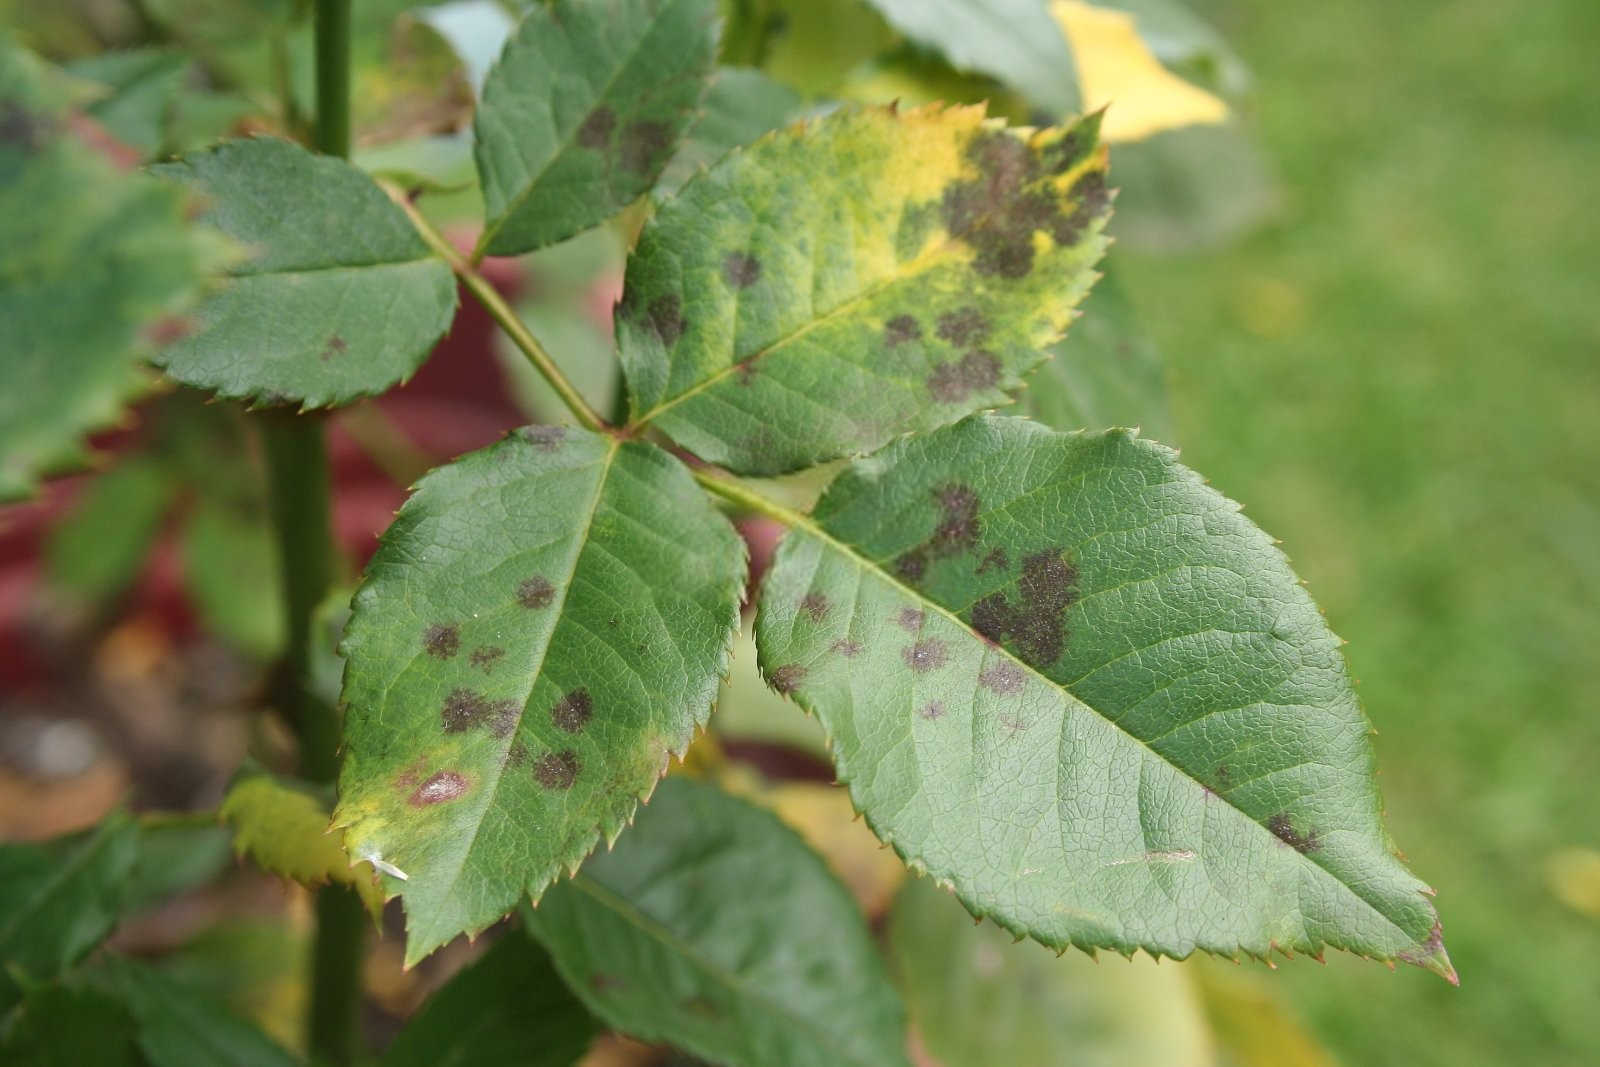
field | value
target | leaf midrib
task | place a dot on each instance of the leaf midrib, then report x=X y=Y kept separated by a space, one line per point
x=810 y=525
x=654 y=928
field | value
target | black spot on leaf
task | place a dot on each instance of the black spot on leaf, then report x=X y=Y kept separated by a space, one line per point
x=900 y=329
x=462 y=710
x=336 y=346
x=486 y=657
x=1035 y=623
x=596 y=129
x=741 y=270
x=996 y=213
x=544 y=438
x=912 y=565
x=642 y=145
x=960 y=528
x=446 y=785
x=665 y=316
x=785 y=679
x=815 y=605
x=441 y=641
x=1283 y=829
x=953 y=382
x=558 y=770
x=517 y=755
x=847 y=648
x=1003 y=678
x=997 y=559
x=926 y=655
x=503 y=717
x=933 y=709
x=964 y=327
x=535 y=593
x=573 y=711
x=910 y=619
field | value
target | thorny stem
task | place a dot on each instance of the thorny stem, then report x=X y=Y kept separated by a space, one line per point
x=487 y=295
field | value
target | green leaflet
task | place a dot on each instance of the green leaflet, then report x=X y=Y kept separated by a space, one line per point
x=90 y=261
x=98 y=550
x=844 y=281
x=1106 y=373
x=59 y=899
x=59 y=1026
x=740 y=106
x=544 y=624
x=978 y=998
x=341 y=298
x=1065 y=677
x=582 y=111
x=711 y=926
x=509 y=1006
x=1013 y=40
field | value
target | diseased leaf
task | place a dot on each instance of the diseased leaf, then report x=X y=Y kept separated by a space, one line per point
x=341 y=297
x=509 y=1006
x=1013 y=40
x=1065 y=677
x=1115 y=67
x=847 y=280
x=90 y=261
x=285 y=830
x=713 y=927
x=544 y=624
x=59 y=899
x=582 y=111
x=1106 y=373
x=181 y=1027
x=977 y=998
x=59 y=1026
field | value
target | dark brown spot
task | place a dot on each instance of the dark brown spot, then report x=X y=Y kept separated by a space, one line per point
x=1223 y=774
x=933 y=709
x=336 y=346
x=643 y=146
x=1035 y=624
x=951 y=383
x=1003 y=678
x=503 y=718
x=446 y=785
x=573 y=711
x=815 y=605
x=741 y=270
x=535 y=593
x=441 y=641
x=558 y=770
x=596 y=129
x=1283 y=829
x=665 y=316
x=926 y=655
x=964 y=327
x=847 y=648
x=517 y=755
x=900 y=329
x=411 y=775
x=960 y=528
x=462 y=710
x=786 y=678
x=997 y=214
x=910 y=619
x=995 y=560
x=912 y=565
x=544 y=438
x=486 y=657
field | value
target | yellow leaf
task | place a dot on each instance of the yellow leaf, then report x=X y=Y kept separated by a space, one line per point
x=1115 y=67
x=285 y=831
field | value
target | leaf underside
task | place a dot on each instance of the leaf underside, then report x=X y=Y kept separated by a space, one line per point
x=713 y=927
x=544 y=623
x=1072 y=682
x=846 y=280
x=582 y=111
x=340 y=299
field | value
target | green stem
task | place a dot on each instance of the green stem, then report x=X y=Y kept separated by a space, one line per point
x=333 y=77
x=487 y=295
x=747 y=499
x=333 y=1027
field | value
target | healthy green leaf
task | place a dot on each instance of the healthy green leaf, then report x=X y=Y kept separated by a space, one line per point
x=181 y=1027
x=59 y=899
x=98 y=549
x=1013 y=40
x=507 y=1007
x=543 y=626
x=740 y=106
x=1067 y=678
x=341 y=299
x=809 y=45
x=59 y=1026
x=143 y=88
x=713 y=927
x=978 y=999
x=581 y=113
x=1192 y=188
x=1106 y=373
x=847 y=280
x=90 y=261
x=176 y=853
x=230 y=570
x=284 y=829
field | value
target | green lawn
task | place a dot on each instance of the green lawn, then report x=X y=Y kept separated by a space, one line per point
x=1401 y=376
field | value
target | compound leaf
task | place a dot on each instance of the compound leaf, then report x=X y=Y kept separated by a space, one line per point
x=90 y=262
x=843 y=281
x=341 y=298
x=60 y=1026
x=509 y=1006
x=1013 y=40
x=1068 y=679
x=581 y=113
x=59 y=899
x=544 y=624
x=713 y=927
x=284 y=829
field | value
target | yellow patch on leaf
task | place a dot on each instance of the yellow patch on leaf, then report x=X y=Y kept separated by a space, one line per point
x=1116 y=67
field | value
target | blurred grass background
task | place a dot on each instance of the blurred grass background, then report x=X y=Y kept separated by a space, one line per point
x=1401 y=377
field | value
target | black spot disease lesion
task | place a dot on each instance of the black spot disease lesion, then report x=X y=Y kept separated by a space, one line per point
x=926 y=655
x=595 y=131
x=741 y=270
x=485 y=657
x=901 y=329
x=441 y=640
x=643 y=143
x=787 y=678
x=958 y=531
x=573 y=711
x=816 y=606
x=558 y=770
x=1035 y=621
x=465 y=710
x=535 y=593
x=1283 y=829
